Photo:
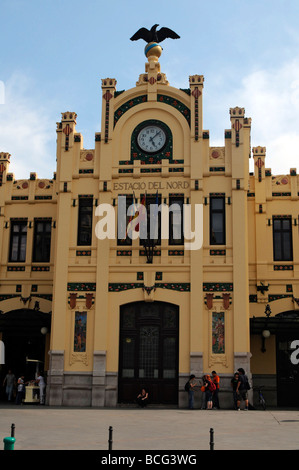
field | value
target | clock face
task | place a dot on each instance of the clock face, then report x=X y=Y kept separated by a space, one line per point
x=151 y=139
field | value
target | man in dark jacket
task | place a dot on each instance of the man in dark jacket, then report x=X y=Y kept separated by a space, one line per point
x=241 y=390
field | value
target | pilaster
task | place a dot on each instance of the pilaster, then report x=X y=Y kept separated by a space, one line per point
x=240 y=147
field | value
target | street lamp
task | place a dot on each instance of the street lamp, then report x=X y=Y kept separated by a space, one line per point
x=266 y=333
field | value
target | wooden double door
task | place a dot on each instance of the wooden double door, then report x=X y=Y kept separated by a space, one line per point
x=148 y=352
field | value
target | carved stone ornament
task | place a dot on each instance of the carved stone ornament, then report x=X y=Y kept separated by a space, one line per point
x=79 y=357
x=209 y=301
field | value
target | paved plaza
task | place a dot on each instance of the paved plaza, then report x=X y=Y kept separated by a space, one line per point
x=47 y=428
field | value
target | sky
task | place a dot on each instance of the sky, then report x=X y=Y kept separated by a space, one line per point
x=55 y=53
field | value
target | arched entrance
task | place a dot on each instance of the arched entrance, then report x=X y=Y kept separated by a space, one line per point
x=285 y=327
x=25 y=344
x=148 y=351
x=287 y=369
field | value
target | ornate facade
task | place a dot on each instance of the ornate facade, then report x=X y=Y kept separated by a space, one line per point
x=115 y=319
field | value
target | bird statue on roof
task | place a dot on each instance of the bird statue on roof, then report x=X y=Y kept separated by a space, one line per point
x=153 y=35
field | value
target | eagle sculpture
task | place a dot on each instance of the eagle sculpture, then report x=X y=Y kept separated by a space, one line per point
x=153 y=35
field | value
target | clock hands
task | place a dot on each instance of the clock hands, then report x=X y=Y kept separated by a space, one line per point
x=159 y=132
x=152 y=138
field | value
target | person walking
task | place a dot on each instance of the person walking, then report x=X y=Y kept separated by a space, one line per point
x=10 y=381
x=192 y=384
x=20 y=390
x=203 y=389
x=216 y=381
x=242 y=389
x=41 y=383
x=210 y=389
x=234 y=382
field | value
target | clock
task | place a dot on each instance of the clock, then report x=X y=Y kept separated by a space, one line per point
x=151 y=138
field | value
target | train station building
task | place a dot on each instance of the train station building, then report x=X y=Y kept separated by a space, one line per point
x=105 y=316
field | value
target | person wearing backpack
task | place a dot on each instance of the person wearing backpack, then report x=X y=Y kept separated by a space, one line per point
x=189 y=387
x=242 y=389
x=210 y=389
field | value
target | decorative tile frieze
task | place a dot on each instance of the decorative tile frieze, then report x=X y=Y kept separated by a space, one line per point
x=155 y=253
x=217 y=287
x=179 y=286
x=83 y=252
x=124 y=253
x=15 y=268
x=118 y=286
x=217 y=252
x=175 y=252
x=40 y=268
x=125 y=170
x=128 y=105
x=273 y=297
x=85 y=171
x=216 y=169
x=150 y=170
x=283 y=267
x=181 y=107
x=81 y=286
x=8 y=296
x=176 y=170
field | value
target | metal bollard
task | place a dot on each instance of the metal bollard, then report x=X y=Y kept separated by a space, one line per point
x=9 y=442
x=211 y=439
x=110 y=438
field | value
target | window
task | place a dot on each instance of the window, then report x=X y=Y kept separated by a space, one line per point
x=123 y=238
x=42 y=241
x=153 y=222
x=217 y=220
x=85 y=221
x=176 y=221
x=18 y=239
x=282 y=239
